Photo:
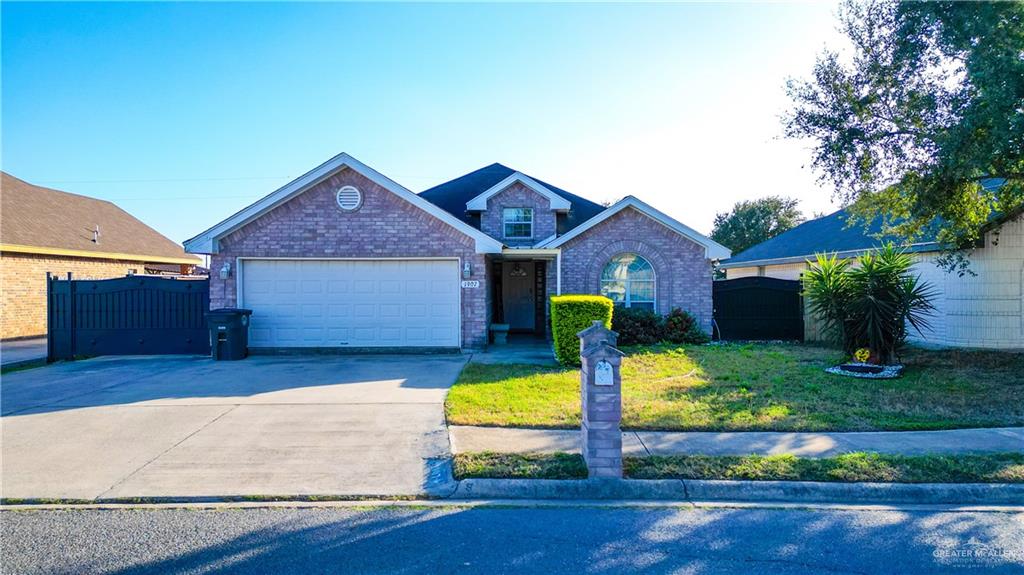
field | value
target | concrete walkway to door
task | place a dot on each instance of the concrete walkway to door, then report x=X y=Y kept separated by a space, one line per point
x=190 y=427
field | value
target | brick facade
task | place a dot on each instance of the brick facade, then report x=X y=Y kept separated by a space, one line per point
x=518 y=196
x=23 y=287
x=683 y=274
x=385 y=226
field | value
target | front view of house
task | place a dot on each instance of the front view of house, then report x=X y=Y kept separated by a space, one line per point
x=344 y=257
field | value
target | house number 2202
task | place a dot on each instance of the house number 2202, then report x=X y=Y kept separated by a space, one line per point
x=471 y=283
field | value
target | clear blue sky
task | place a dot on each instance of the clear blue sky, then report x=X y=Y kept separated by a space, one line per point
x=184 y=113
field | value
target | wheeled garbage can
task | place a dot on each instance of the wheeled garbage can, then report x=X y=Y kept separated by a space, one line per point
x=229 y=333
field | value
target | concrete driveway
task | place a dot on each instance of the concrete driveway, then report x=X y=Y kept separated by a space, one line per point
x=176 y=426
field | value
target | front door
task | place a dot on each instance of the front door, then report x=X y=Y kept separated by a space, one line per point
x=517 y=295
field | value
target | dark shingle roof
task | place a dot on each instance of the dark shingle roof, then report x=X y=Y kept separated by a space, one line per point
x=452 y=196
x=823 y=235
x=43 y=218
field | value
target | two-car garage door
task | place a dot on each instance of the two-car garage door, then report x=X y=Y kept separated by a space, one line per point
x=351 y=303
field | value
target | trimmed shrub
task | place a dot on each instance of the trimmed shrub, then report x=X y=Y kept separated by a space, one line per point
x=637 y=326
x=571 y=314
x=682 y=327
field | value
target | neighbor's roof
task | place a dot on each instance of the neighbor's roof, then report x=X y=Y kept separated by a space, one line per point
x=452 y=196
x=828 y=234
x=832 y=234
x=40 y=220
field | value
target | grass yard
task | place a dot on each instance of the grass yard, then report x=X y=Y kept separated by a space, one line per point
x=989 y=468
x=778 y=387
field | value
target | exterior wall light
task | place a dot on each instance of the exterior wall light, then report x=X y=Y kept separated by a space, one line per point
x=467 y=270
x=225 y=271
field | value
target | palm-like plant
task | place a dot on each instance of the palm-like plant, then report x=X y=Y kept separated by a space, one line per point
x=827 y=288
x=872 y=304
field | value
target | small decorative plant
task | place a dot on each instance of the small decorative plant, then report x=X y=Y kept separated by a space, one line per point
x=862 y=355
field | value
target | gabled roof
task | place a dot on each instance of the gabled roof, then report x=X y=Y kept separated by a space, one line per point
x=452 y=196
x=479 y=203
x=833 y=234
x=45 y=221
x=712 y=249
x=827 y=234
x=206 y=242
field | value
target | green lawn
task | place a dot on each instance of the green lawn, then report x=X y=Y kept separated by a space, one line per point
x=755 y=387
x=989 y=468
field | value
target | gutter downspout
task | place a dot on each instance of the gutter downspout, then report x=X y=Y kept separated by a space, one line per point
x=558 y=273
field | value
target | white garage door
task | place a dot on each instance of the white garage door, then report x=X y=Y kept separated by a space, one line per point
x=329 y=303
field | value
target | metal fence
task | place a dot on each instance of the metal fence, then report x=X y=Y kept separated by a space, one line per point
x=133 y=315
x=758 y=308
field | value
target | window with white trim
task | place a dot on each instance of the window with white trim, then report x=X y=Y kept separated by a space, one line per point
x=518 y=222
x=629 y=281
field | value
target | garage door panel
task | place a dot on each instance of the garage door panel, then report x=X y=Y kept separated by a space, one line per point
x=338 y=303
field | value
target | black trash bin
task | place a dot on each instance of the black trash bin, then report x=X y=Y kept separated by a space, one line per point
x=229 y=333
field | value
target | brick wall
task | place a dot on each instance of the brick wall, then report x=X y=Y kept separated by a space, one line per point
x=311 y=225
x=683 y=274
x=23 y=286
x=518 y=196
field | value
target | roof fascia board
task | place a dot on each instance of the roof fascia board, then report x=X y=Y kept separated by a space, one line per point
x=557 y=202
x=42 y=250
x=913 y=248
x=712 y=249
x=207 y=241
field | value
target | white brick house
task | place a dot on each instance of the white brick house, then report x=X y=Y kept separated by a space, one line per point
x=985 y=310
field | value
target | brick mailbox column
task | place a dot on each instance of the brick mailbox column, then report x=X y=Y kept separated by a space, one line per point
x=601 y=392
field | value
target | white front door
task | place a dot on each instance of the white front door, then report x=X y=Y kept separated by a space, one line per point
x=517 y=295
x=352 y=303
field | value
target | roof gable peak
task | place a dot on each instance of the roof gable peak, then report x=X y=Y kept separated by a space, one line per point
x=557 y=202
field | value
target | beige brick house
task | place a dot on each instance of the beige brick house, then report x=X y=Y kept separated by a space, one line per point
x=984 y=310
x=44 y=230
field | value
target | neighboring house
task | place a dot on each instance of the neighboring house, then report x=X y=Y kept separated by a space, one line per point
x=44 y=230
x=983 y=310
x=344 y=257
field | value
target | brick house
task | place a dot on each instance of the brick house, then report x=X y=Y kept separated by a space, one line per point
x=344 y=257
x=983 y=310
x=44 y=230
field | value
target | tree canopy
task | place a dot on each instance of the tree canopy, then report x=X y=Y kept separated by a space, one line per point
x=752 y=222
x=922 y=125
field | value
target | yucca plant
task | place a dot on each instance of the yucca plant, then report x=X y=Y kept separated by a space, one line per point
x=872 y=304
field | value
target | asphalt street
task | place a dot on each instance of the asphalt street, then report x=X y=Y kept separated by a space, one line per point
x=516 y=540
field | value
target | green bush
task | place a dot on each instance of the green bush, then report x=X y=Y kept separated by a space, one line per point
x=682 y=327
x=571 y=314
x=872 y=304
x=637 y=326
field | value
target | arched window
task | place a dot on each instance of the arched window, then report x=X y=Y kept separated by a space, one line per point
x=628 y=280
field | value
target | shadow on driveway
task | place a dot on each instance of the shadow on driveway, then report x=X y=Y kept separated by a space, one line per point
x=190 y=427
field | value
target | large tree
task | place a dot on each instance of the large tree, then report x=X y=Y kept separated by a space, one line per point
x=922 y=125
x=752 y=222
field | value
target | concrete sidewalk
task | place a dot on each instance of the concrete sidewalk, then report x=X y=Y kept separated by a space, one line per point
x=467 y=439
x=20 y=351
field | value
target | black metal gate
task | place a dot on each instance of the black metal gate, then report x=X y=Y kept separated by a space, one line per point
x=132 y=315
x=758 y=308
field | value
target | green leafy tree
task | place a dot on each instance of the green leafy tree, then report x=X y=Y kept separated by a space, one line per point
x=752 y=222
x=922 y=126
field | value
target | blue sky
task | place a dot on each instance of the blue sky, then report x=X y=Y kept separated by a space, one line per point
x=184 y=113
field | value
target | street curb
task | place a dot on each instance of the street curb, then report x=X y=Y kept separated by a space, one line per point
x=638 y=489
x=817 y=492
x=760 y=491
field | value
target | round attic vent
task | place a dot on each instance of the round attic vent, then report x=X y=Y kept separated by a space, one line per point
x=349 y=198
